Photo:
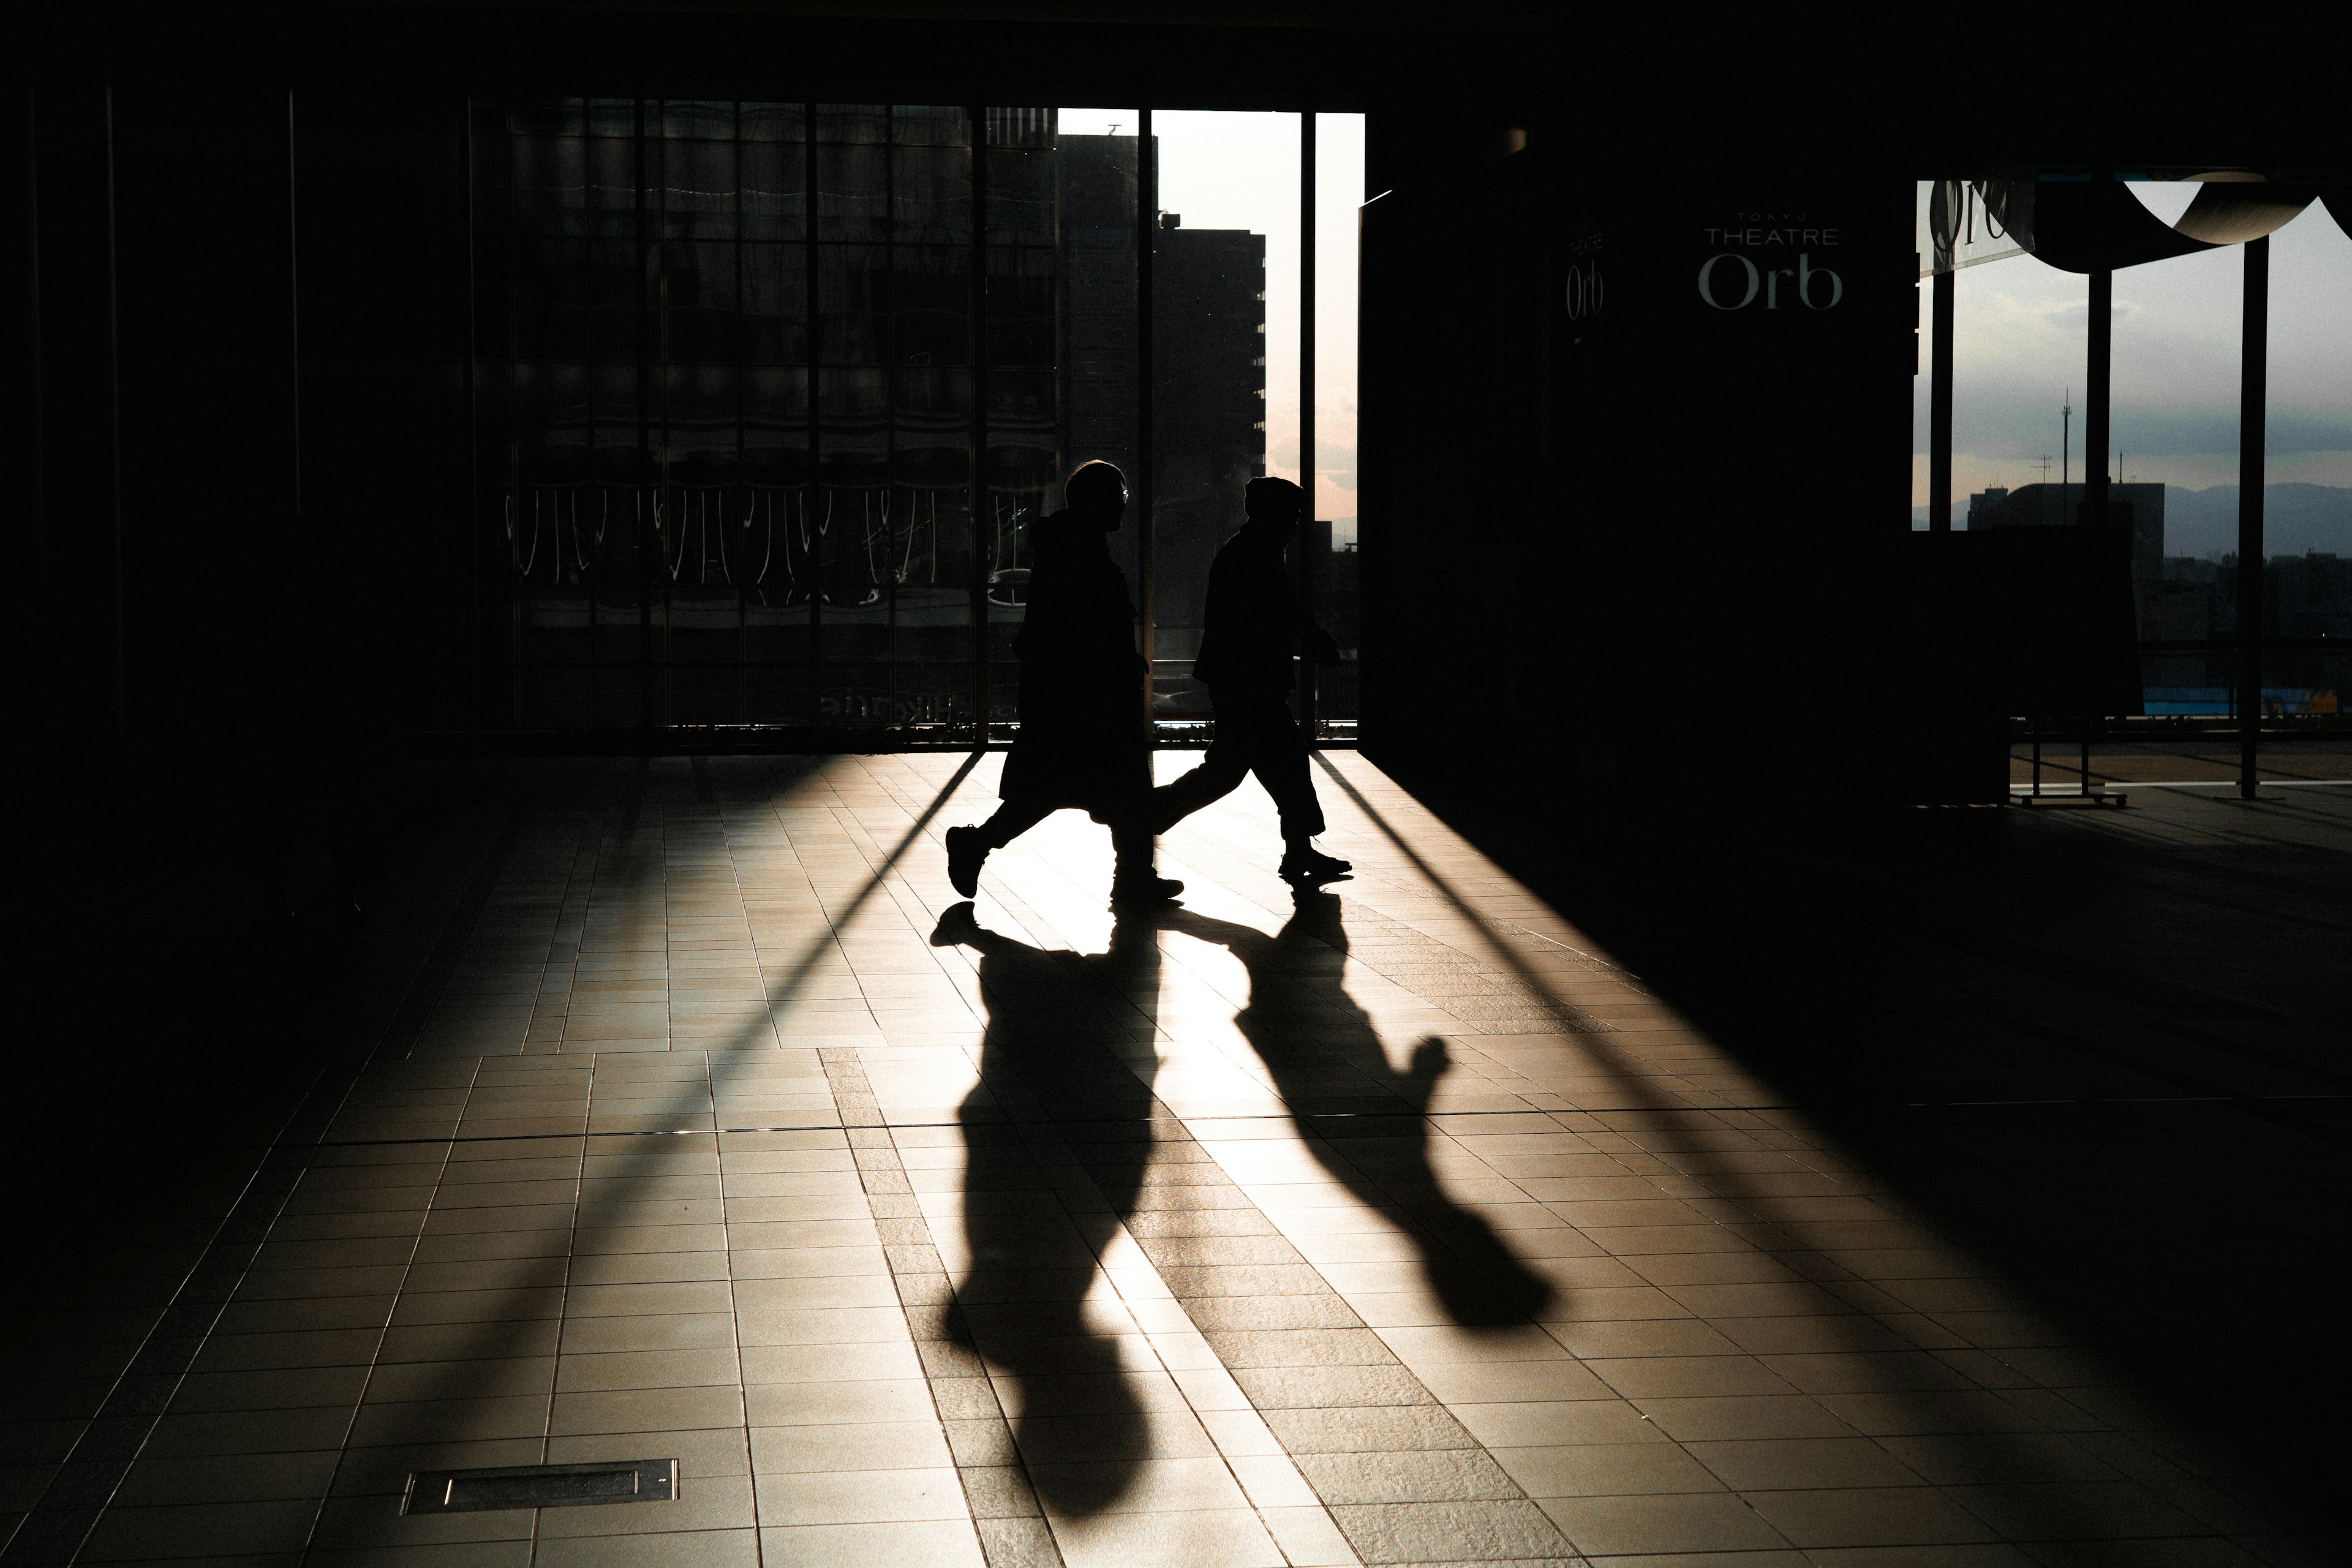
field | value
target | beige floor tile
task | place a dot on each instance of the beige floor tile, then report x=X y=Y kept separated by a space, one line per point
x=947 y=1543
x=860 y=1497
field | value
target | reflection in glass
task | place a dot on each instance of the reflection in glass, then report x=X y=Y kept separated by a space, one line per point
x=748 y=457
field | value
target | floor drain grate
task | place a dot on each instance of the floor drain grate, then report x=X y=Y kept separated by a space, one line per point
x=542 y=1486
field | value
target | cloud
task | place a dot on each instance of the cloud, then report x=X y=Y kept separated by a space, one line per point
x=2020 y=347
x=2021 y=331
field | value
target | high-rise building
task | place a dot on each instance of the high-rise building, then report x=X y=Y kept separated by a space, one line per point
x=1209 y=412
x=1208 y=367
x=1096 y=181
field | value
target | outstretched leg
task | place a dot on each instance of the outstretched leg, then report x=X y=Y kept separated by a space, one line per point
x=968 y=847
x=1220 y=773
x=1278 y=757
x=1256 y=733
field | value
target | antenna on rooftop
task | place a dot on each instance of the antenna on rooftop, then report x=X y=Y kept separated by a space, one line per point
x=2065 y=445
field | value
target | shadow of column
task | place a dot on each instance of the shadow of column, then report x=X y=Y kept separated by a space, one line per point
x=1322 y=1049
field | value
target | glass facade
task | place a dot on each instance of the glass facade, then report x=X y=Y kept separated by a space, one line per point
x=753 y=448
x=2017 y=433
x=725 y=379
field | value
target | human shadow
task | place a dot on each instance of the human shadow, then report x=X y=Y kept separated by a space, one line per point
x=1364 y=1120
x=1059 y=1136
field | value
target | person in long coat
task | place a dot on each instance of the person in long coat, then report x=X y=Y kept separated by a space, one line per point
x=1083 y=742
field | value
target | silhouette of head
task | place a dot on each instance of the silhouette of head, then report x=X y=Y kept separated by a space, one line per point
x=1274 y=503
x=1098 y=493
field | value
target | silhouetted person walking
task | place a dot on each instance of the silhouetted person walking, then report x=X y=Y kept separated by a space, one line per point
x=1251 y=623
x=1082 y=742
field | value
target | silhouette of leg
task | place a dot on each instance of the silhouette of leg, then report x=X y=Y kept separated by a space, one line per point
x=1255 y=731
x=1278 y=757
x=1277 y=752
x=1012 y=819
x=1220 y=773
x=1135 y=847
x=968 y=847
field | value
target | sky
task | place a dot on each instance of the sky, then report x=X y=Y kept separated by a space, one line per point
x=1236 y=170
x=2019 y=330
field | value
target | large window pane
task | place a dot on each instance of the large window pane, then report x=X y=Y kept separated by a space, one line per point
x=735 y=409
x=1225 y=339
x=729 y=360
x=1335 y=572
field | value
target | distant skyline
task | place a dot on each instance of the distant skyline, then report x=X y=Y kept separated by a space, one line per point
x=2020 y=332
x=2298 y=517
x=1232 y=169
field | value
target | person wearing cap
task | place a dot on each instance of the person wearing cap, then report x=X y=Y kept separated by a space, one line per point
x=1251 y=624
x=1082 y=742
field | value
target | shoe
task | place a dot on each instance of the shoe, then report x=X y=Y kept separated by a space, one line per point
x=957 y=927
x=966 y=855
x=1306 y=864
x=1145 y=890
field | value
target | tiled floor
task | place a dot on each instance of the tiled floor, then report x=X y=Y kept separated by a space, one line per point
x=1398 y=1225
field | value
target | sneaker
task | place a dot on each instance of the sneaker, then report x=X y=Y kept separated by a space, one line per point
x=956 y=927
x=1305 y=863
x=966 y=853
x=1145 y=890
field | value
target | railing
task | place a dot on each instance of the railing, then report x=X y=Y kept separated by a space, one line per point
x=769 y=541
x=2198 y=677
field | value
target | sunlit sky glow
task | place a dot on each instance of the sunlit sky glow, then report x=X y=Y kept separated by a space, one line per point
x=2018 y=338
x=1238 y=170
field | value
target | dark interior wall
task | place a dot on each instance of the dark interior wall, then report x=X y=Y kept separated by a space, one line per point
x=183 y=672
x=223 y=592
x=177 y=604
x=380 y=192
x=1620 y=525
x=240 y=481
x=67 y=411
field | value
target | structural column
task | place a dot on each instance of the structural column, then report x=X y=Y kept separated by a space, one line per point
x=2096 y=417
x=649 y=528
x=1147 y=241
x=2097 y=411
x=1307 y=535
x=1939 y=405
x=72 y=370
x=2253 y=394
x=813 y=517
x=981 y=533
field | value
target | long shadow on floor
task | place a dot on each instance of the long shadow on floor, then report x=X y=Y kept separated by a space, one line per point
x=1365 y=1122
x=1058 y=1138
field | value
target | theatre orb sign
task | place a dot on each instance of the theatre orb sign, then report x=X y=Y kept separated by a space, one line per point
x=1744 y=270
